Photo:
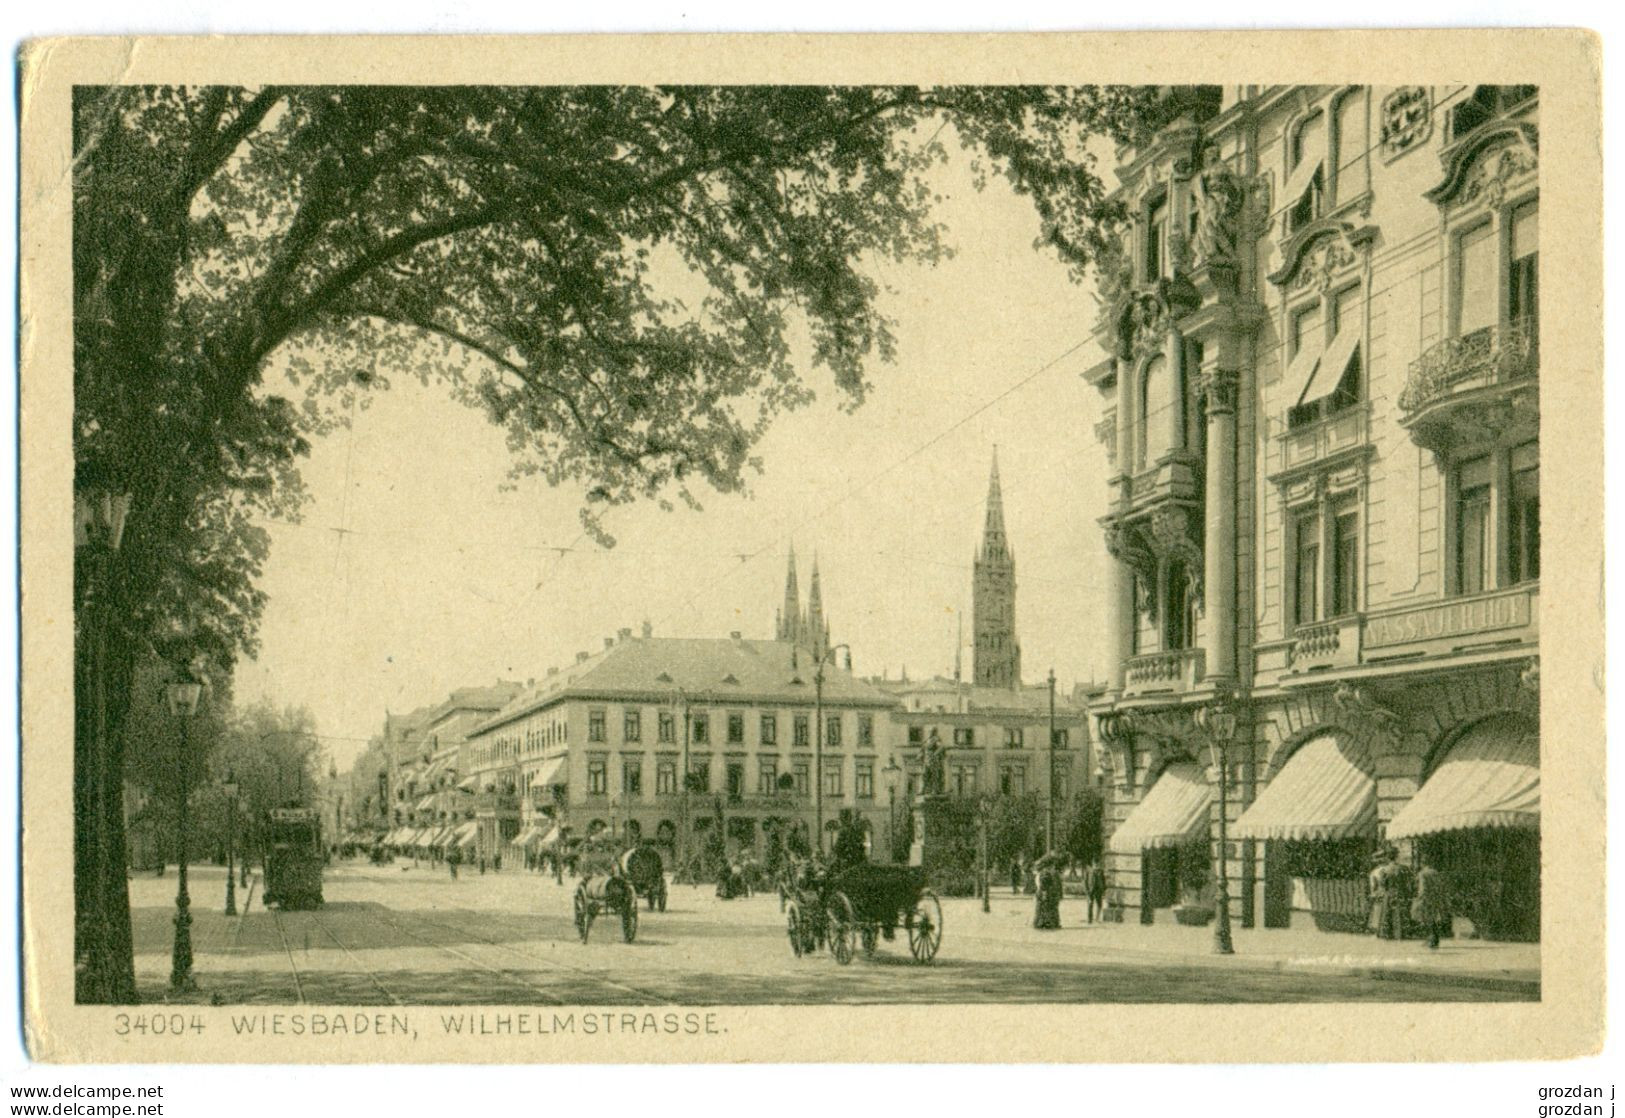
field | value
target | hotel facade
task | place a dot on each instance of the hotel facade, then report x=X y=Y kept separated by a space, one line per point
x=1320 y=400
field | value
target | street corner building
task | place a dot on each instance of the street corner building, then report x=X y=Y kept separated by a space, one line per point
x=1320 y=386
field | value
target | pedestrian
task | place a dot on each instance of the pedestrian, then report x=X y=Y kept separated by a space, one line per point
x=453 y=860
x=1430 y=909
x=1047 y=892
x=482 y=865
x=1094 y=888
x=496 y=862
x=1015 y=874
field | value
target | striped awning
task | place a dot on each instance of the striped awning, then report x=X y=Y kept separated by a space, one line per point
x=1323 y=792
x=553 y=836
x=1174 y=812
x=467 y=834
x=549 y=773
x=469 y=783
x=425 y=804
x=1490 y=778
x=406 y=836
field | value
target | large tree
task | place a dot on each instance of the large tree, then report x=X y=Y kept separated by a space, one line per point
x=613 y=275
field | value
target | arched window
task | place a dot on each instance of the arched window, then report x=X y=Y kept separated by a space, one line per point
x=1179 y=609
x=1156 y=398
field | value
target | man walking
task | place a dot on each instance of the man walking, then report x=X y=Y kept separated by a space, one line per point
x=1430 y=909
x=1094 y=888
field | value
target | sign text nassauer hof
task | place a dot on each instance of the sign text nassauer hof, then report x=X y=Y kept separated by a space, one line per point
x=1506 y=611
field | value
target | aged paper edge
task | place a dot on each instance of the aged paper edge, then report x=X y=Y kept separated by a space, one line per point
x=1566 y=1022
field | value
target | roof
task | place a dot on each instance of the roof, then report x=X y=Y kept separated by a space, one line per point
x=1032 y=699
x=702 y=669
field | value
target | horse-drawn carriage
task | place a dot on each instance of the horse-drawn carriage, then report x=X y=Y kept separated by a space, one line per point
x=643 y=867
x=865 y=902
x=604 y=888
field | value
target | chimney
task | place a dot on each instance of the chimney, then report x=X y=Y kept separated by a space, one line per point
x=648 y=630
x=735 y=635
x=530 y=683
x=581 y=657
x=609 y=642
x=552 y=671
x=625 y=634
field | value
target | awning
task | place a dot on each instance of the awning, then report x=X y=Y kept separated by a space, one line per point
x=469 y=784
x=549 y=773
x=553 y=836
x=1490 y=778
x=467 y=834
x=425 y=804
x=1323 y=792
x=1301 y=371
x=408 y=836
x=1329 y=374
x=1174 y=812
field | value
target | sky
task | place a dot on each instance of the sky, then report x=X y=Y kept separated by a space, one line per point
x=417 y=568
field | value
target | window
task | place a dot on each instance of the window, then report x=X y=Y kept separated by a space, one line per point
x=965 y=735
x=770 y=729
x=863 y=780
x=595 y=725
x=699 y=774
x=1156 y=239
x=1484 y=104
x=1058 y=740
x=803 y=732
x=916 y=735
x=1179 y=612
x=1012 y=737
x=1523 y=515
x=1523 y=296
x=736 y=780
x=665 y=778
x=803 y=775
x=632 y=726
x=736 y=729
x=832 y=779
x=832 y=730
x=700 y=729
x=767 y=776
x=632 y=778
x=964 y=777
x=1345 y=560
x=866 y=730
x=1306 y=181
x=666 y=728
x=1156 y=397
x=597 y=776
x=1306 y=569
x=1473 y=526
x=1012 y=780
x=1477 y=266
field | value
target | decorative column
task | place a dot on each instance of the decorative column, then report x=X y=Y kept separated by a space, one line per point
x=1120 y=618
x=1174 y=356
x=1219 y=578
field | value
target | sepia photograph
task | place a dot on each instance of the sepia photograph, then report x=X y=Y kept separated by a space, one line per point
x=595 y=559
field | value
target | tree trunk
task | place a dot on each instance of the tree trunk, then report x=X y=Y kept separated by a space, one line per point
x=104 y=952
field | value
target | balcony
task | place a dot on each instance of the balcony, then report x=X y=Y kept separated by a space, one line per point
x=496 y=801
x=1324 y=444
x=1164 y=673
x=1326 y=644
x=1474 y=388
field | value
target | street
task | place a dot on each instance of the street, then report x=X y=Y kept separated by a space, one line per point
x=411 y=935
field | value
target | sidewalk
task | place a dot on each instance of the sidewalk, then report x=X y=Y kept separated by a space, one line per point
x=1509 y=967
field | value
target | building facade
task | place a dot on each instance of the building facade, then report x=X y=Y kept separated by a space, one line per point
x=1320 y=393
x=604 y=744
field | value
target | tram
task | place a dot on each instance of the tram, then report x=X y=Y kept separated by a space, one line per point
x=294 y=857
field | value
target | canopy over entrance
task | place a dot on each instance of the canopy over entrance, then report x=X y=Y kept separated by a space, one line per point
x=1489 y=778
x=1323 y=792
x=1174 y=812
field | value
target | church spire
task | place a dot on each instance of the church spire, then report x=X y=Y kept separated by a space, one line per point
x=816 y=636
x=996 y=660
x=994 y=544
x=790 y=613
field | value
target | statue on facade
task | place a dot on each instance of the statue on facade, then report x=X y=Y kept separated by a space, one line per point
x=1219 y=201
x=935 y=781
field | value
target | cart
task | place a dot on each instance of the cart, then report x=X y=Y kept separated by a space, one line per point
x=643 y=867
x=604 y=888
x=863 y=904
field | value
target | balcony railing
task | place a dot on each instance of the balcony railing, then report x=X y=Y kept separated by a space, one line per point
x=496 y=801
x=1176 y=672
x=1327 y=644
x=1484 y=358
x=1337 y=434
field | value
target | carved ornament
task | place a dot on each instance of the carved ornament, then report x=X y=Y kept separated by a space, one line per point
x=1407 y=120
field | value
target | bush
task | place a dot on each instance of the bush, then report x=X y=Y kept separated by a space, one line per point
x=950 y=882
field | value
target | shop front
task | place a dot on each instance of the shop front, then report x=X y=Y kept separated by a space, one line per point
x=1476 y=819
x=1168 y=830
x=1317 y=822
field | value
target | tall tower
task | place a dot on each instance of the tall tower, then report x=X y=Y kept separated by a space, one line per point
x=997 y=653
x=790 y=621
x=817 y=637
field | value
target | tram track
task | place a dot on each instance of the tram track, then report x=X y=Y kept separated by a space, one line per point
x=287 y=949
x=500 y=972
x=372 y=974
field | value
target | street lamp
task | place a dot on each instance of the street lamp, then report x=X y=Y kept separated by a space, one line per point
x=1218 y=719
x=1050 y=845
x=891 y=773
x=182 y=698
x=820 y=658
x=230 y=789
x=984 y=815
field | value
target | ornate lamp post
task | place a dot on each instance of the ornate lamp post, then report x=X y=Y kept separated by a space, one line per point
x=984 y=816
x=1218 y=720
x=891 y=774
x=1050 y=784
x=182 y=698
x=821 y=657
x=230 y=789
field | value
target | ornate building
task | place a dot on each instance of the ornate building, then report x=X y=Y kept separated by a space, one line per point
x=997 y=654
x=805 y=628
x=1321 y=406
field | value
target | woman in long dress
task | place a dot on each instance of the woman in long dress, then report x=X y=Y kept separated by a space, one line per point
x=1047 y=901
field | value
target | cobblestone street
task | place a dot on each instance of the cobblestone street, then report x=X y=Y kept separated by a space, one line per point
x=410 y=935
